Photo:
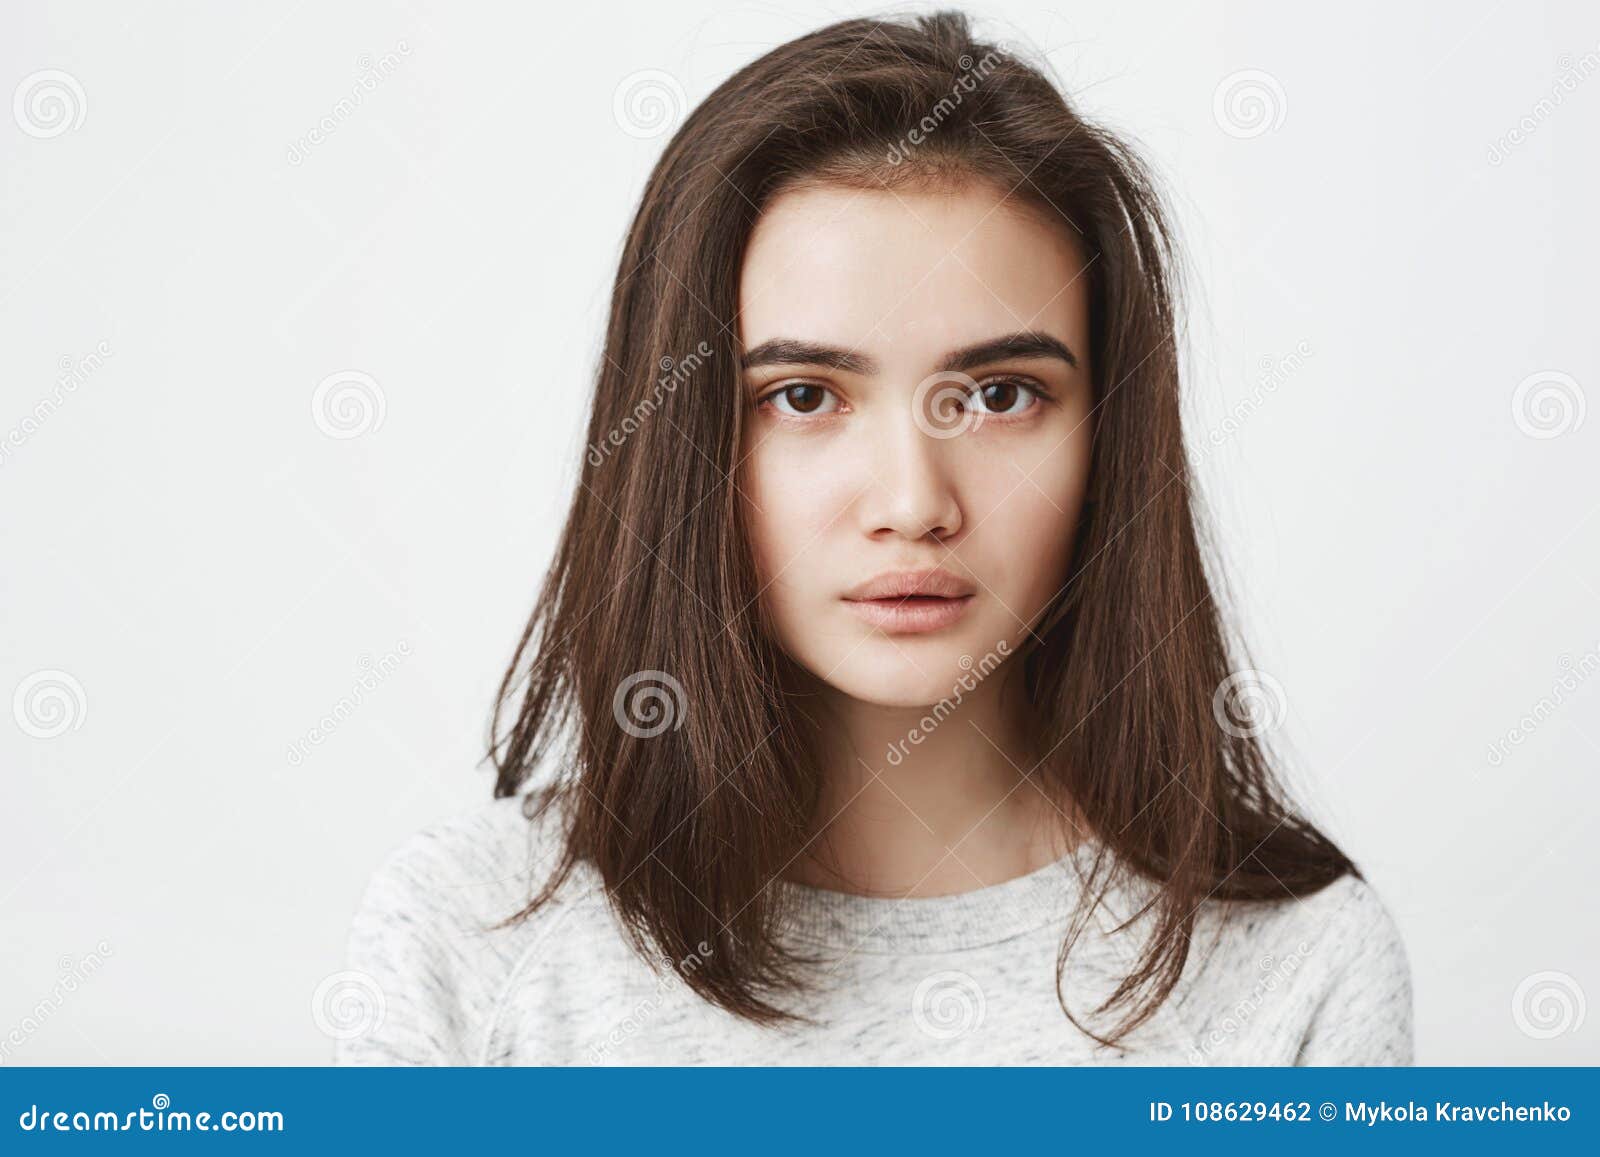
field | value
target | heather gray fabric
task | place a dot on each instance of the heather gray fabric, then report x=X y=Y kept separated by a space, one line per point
x=961 y=979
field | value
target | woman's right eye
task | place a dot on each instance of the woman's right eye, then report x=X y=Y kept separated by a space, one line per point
x=802 y=400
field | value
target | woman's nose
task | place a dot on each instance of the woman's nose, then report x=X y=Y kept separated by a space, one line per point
x=911 y=489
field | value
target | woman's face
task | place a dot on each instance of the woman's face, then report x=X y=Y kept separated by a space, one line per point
x=917 y=367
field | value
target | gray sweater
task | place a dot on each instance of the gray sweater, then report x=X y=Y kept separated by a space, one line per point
x=958 y=979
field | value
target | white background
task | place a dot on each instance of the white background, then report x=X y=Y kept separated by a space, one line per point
x=185 y=541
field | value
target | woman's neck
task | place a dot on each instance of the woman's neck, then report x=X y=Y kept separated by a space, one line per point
x=918 y=801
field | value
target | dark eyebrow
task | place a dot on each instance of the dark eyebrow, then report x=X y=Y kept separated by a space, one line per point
x=1032 y=344
x=789 y=352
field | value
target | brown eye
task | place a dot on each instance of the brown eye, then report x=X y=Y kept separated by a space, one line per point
x=805 y=399
x=1001 y=397
x=802 y=399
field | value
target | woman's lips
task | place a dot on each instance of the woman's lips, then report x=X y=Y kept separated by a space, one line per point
x=910 y=615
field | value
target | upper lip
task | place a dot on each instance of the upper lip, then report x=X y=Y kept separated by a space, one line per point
x=904 y=583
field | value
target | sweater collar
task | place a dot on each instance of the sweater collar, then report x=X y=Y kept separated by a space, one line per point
x=921 y=924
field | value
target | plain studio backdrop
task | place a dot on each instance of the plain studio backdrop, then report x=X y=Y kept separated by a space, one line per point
x=301 y=310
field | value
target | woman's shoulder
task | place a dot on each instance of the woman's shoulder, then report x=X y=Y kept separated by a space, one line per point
x=1356 y=924
x=472 y=852
x=464 y=873
x=1328 y=969
x=1345 y=927
x=430 y=951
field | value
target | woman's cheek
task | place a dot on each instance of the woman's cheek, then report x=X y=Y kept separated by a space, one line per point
x=793 y=500
x=1027 y=526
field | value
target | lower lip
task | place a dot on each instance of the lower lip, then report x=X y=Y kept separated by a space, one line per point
x=911 y=616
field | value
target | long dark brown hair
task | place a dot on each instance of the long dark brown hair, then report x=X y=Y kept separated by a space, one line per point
x=687 y=771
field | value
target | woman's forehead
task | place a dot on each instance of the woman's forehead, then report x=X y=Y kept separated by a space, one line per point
x=903 y=274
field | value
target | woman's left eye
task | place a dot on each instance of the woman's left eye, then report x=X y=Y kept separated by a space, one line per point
x=1003 y=395
x=802 y=399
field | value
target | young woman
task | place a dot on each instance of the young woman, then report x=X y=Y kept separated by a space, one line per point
x=877 y=707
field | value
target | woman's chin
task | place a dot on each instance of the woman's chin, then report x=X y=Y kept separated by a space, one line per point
x=896 y=680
